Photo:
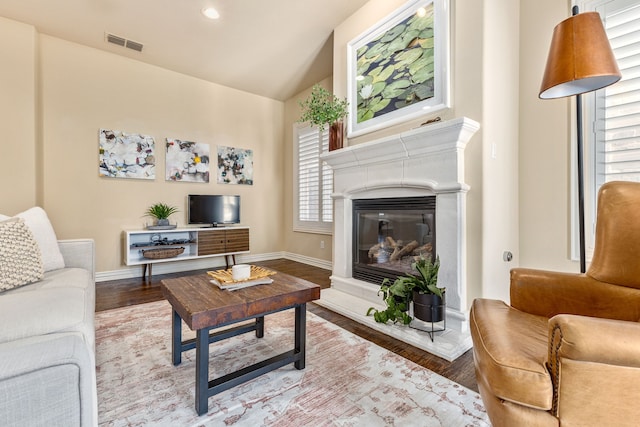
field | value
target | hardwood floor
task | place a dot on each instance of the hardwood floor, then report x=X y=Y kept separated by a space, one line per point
x=120 y=293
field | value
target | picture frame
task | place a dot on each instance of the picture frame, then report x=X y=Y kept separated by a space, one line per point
x=235 y=165
x=126 y=155
x=186 y=161
x=399 y=69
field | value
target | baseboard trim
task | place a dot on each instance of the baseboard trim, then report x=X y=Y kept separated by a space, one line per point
x=214 y=262
x=316 y=262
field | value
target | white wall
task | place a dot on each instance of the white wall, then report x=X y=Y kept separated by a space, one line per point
x=18 y=174
x=544 y=157
x=500 y=145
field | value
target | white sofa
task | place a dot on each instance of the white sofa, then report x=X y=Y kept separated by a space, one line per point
x=47 y=345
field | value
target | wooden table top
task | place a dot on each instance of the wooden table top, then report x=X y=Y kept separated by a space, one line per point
x=202 y=304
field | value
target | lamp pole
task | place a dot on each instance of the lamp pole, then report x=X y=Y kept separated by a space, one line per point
x=580 y=159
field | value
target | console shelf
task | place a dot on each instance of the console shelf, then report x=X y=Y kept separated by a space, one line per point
x=197 y=243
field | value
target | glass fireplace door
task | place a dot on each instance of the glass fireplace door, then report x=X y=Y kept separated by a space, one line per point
x=390 y=234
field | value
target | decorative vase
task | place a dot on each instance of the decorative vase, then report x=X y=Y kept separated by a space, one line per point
x=428 y=307
x=163 y=222
x=336 y=135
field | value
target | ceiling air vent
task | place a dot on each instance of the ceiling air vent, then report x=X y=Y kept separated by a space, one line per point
x=134 y=45
x=121 y=41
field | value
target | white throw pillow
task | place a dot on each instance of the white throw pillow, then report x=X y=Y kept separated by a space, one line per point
x=20 y=260
x=38 y=222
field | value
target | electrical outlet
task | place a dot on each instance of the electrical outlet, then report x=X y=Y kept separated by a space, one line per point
x=321 y=244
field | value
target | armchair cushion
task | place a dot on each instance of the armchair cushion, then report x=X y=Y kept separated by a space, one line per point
x=508 y=357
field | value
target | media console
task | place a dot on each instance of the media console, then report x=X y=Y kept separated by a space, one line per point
x=147 y=247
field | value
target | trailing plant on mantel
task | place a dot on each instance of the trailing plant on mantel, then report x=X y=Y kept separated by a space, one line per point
x=322 y=108
x=399 y=294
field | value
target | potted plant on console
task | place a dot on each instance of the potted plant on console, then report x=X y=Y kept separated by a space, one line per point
x=421 y=289
x=161 y=212
x=322 y=108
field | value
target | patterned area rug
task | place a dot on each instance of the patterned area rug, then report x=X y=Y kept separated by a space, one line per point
x=348 y=381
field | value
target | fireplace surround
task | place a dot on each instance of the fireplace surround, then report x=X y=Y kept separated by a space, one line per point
x=426 y=161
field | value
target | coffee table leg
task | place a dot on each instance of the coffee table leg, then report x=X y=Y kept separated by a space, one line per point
x=176 y=338
x=202 y=371
x=301 y=335
x=260 y=327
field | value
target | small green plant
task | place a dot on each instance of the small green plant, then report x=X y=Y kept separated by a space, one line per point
x=399 y=294
x=161 y=211
x=427 y=283
x=322 y=108
x=396 y=296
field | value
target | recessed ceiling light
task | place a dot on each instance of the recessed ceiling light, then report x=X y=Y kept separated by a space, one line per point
x=210 y=13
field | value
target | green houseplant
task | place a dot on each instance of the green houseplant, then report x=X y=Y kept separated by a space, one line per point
x=161 y=212
x=321 y=109
x=422 y=289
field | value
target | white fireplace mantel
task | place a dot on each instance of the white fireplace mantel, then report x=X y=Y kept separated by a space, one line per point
x=428 y=160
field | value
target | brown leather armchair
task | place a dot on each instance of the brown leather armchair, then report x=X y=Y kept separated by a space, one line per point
x=566 y=352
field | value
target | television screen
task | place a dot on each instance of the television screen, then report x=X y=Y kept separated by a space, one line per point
x=213 y=209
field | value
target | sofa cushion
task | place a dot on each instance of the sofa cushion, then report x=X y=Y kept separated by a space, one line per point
x=38 y=222
x=20 y=260
x=61 y=302
x=508 y=356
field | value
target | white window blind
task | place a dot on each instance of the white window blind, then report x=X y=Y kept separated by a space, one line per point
x=612 y=114
x=617 y=125
x=313 y=183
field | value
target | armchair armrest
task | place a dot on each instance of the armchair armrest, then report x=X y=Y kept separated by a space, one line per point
x=79 y=253
x=590 y=339
x=595 y=370
x=548 y=293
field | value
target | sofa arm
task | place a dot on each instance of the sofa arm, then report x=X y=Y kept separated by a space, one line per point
x=79 y=253
x=47 y=380
x=595 y=370
x=548 y=293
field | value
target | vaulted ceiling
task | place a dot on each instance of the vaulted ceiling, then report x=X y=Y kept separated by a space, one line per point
x=272 y=48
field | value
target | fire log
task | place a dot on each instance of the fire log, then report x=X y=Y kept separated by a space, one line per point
x=406 y=250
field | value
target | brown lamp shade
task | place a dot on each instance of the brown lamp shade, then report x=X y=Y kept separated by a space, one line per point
x=580 y=58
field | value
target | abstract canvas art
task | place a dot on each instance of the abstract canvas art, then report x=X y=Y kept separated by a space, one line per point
x=187 y=161
x=235 y=165
x=126 y=155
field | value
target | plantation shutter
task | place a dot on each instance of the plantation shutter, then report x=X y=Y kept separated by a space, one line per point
x=617 y=125
x=308 y=175
x=314 y=182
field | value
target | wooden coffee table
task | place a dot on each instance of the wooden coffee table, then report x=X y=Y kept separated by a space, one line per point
x=203 y=307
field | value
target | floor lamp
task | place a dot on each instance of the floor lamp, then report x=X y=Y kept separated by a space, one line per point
x=580 y=60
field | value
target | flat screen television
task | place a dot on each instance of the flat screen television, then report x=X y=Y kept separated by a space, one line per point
x=214 y=210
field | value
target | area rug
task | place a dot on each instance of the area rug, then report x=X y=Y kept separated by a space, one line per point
x=348 y=381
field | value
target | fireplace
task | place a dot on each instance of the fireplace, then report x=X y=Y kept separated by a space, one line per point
x=424 y=162
x=390 y=234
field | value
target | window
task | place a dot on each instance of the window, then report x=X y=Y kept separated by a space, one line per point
x=612 y=114
x=313 y=181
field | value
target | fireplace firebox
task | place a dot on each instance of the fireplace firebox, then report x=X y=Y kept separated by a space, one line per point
x=389 y=234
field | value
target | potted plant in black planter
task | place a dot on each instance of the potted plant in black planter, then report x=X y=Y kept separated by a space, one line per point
x=428 y=298
x=323 y=108
x=422 y=289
